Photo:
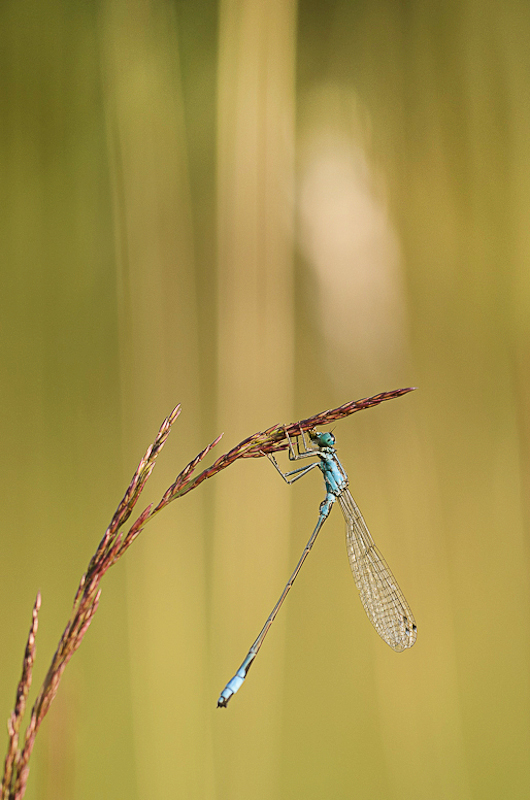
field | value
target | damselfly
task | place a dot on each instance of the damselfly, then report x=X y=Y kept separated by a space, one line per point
x=383 y=600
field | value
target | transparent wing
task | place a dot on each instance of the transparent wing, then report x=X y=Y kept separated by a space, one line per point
x=383 y=600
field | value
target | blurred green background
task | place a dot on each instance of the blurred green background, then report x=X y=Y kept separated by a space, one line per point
x=262 y=210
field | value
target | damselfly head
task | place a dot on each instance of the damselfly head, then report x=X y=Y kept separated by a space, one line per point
x=322 y=438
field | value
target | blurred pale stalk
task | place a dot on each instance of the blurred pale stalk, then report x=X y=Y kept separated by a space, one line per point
x=159 y=360
x=255 y=362
x=349 y=237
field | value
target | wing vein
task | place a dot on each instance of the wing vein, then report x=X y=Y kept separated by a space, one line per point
x=383 y=600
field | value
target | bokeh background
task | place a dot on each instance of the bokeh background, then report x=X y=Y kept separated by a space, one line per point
x=262 y=210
